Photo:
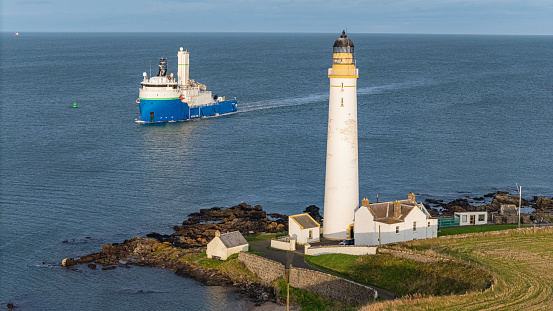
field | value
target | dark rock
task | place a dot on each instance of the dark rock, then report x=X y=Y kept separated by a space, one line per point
x=159 y=237
x=544 y=203
x=459 y=202
x=489 y=195
x=435 y=202
x=314 y=212
x=258 y=293
x=10 y=306
x=478 y=199
x=92 y=266
x=109 y=268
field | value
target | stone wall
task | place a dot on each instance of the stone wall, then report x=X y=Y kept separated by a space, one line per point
x=341 y=249
x=266 y=269
x=511 y=219
x=331 y=286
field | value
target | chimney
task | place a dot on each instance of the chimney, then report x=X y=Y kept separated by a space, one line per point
x=397 y=209
x=411 y=197
x=365 y=202
x=217 y=233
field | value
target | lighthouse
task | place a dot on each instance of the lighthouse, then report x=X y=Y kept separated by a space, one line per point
x=342 y=171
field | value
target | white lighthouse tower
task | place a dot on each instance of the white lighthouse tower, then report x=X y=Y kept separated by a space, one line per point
x=342 y=172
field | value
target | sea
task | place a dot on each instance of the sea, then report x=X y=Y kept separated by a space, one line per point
x=443 y=116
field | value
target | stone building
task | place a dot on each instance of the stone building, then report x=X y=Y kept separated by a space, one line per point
x=508 y=209
x=303 y=228
x=389 y=222
x=226 y=244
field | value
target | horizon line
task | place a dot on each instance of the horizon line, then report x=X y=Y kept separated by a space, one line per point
x=280 y=32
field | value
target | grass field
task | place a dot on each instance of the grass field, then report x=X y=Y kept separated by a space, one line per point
x=521 y=261
x=473 y=229
x=405 y=276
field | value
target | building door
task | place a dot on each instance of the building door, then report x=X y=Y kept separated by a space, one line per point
x=472 y=218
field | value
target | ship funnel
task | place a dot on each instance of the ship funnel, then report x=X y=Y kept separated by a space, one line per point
x=162 y=67
x=183 y=67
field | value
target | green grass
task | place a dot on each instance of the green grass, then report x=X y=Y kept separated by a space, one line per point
x=473 y=229
x=215 y=263
x=309 y=301
x=336 y=262
x=404 y=276
x=265 y=236
x=193 y=257
x=520 y=261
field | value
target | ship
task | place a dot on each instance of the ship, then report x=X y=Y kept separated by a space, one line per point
x=164 y=99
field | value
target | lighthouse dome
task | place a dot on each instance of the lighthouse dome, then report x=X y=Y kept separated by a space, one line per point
x=343 y=41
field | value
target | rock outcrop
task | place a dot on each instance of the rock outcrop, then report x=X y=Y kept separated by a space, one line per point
x=200 y=227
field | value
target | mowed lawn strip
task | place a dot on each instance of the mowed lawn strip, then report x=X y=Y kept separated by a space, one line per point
x=473 y=229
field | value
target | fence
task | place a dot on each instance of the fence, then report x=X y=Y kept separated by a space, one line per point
x=448 y=222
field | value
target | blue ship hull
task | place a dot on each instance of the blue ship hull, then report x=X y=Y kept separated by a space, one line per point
x=164 y=110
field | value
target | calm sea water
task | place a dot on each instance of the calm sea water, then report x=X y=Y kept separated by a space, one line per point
x=443 y=116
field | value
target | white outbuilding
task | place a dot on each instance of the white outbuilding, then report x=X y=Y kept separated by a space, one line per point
x=472 y=218
x=303 y=228
x=226 y=244
x=390 y=222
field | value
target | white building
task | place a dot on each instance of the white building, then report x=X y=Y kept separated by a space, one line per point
x=472 y=218
x=226 y=244
x=303 y=228
x=389 y=222
x=342 y=171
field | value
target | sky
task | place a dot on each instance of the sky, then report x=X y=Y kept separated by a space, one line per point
x=521 y=17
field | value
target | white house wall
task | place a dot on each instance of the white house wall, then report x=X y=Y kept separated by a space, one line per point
x=302 y=235
x=363 y=228
x=295 y=232
x=366 y=230
x=467 y=220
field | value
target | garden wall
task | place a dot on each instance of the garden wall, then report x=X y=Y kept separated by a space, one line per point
x=331 y=286
x=266 y=269
x=341 y=249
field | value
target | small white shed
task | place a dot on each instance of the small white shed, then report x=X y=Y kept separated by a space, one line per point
x=472 y=218
x=226 y=244
x=303 y=228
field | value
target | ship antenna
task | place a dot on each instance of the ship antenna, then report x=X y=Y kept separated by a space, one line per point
x=150 y=68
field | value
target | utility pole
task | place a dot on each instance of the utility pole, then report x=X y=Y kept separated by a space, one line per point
x=519 y=188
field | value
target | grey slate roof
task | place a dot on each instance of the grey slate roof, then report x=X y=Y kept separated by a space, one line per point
x=384 y=212
x=233 y=239
x=305 y=221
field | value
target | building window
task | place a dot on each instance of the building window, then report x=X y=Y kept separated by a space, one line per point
x=414 y=226
x=429 y=223
x=464 y=218
x=481 y=217
x=397 y=229
x=310 y=234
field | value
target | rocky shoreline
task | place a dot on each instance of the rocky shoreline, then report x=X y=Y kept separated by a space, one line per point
x=543 y=206
x=182 y=250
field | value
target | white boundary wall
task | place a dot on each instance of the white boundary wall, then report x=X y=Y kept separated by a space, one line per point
x=340 y=249
x=284 y=243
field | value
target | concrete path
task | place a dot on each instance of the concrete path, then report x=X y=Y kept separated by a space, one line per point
x=297 y=260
